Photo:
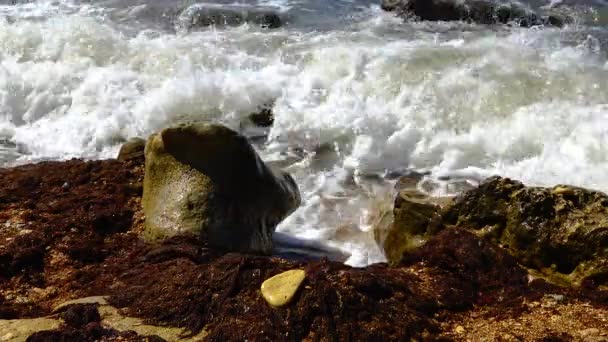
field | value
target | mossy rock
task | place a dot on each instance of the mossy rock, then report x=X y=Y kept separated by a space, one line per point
x=563 y=229
x=416 y=218
x=208 y=180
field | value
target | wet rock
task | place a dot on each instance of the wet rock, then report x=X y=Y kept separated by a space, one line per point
x=208 y=180
x=280 y=289
x=263 y=118
x=562 y=229
x=133 y=148
x=202 y=15
x=416 y=218
x=476 y=11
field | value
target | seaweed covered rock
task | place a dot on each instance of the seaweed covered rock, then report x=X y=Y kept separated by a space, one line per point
x=476 y=11
x=468 y=268
x=563 y=229
x=220 y=294
x=207 y=179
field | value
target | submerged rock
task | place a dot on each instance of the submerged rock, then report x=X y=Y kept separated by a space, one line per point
x=280 y=289
x=563 y=229
x=202 y=15
x=476 y=11
x=207 y=179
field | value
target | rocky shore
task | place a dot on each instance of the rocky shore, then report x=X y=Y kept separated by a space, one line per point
x=502 y=262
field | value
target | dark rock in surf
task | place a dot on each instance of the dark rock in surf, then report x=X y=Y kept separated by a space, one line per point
x=476 y=11
x=202 y=15
x=208 y=180
x=263 y=118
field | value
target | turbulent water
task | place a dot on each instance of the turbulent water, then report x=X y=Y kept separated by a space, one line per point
x=358 y=96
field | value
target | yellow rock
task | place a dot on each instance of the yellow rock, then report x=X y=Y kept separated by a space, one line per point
x=279 y=290
x=460 y=329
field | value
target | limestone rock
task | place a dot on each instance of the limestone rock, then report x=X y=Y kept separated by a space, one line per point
x=18 y=330
x=416 y=218
x=563 y=229
x=281 y=288
x=100 y=300
x=477 y=11
x=133 y=148
x=207 y=179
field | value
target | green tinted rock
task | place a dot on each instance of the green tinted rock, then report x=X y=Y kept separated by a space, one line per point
x=207 y=179
x=416 y=218
x=563 y=229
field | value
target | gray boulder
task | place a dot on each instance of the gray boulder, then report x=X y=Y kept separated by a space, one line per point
x=207 y=179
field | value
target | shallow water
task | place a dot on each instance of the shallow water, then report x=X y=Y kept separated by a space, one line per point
x=358 y=94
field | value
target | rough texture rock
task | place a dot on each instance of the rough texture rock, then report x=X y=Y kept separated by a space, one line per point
x=202 y=15
x=477 y=11
x=207 y=179
x=416 y=218
x=280 y=289
x=133 y=148
x=18 y=330
x=564 y=228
